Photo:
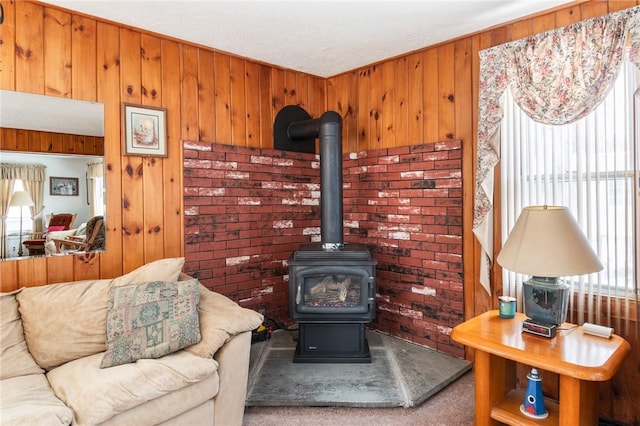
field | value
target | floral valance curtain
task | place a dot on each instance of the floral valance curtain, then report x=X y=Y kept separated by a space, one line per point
x=556 y=77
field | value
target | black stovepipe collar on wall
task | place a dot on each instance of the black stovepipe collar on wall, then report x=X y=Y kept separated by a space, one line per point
x=293 y=126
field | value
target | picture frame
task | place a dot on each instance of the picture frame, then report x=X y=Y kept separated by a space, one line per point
x=67 y=186
x=144 y=131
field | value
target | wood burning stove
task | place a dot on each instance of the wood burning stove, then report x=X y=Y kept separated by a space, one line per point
x=332 y=297
x=331 y=284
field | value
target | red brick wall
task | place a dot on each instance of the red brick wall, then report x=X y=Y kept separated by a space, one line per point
x=247 y=210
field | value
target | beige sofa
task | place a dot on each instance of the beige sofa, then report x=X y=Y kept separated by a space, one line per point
x=53 y=344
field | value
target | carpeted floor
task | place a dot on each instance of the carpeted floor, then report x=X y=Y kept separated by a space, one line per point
x=401 y=374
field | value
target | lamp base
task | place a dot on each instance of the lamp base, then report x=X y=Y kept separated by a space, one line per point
x=546 y=300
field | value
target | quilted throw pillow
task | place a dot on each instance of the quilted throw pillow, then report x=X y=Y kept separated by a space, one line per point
x=150 y=320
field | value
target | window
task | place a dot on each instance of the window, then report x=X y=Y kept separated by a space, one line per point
x=590 y=166
x=13 y=216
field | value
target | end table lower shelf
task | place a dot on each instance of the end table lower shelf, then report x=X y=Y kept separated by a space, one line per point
x=507 y=411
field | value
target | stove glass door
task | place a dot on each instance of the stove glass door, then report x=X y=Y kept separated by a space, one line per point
x=333 y=289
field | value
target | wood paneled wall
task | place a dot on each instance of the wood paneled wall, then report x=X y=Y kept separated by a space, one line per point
x=426 y=96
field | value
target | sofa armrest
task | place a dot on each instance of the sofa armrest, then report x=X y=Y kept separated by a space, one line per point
x=233 y=369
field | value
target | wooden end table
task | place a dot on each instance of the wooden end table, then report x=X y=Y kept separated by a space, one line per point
x=579 y=359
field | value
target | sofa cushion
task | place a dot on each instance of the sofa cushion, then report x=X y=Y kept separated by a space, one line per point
x=173 y=408
x=220 y=319
x=151 y=320
x=96 y=394
x=63 y=322
x=15 y=359
x=66 y=321
x=159 y=270
x=28 y=400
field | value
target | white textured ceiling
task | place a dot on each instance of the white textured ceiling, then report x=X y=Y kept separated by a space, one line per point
x=323 y=38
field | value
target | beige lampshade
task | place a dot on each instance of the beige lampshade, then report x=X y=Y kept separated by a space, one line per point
x=21 y=199
x=546 y=241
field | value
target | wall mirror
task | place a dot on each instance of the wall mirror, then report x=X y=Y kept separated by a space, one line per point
x=71 y=182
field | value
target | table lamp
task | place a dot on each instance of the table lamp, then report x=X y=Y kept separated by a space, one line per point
x=21 y=199
x=547 y=243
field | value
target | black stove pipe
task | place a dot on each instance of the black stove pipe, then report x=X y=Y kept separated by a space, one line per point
x=328 y=128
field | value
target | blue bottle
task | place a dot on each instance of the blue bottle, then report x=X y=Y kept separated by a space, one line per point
x=533 y=405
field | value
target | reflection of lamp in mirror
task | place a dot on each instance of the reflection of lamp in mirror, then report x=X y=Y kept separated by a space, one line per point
x=547 y=243
x=21 y=199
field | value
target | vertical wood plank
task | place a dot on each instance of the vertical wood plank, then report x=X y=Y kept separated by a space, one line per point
x=9 y=276
x=334 y=96
x=290 y=92
x=593 y=8
x=22 y=140
x=278 y=89
x=364 y=109
x=238 y=106
x=543 y=23
x=265 y=101
x=389 y=101
x=446 y=107
x=132 y=184
x=430 y=98
x=29 y=48
x=190 y=102
x=57 y=53
x=463 y=93
x=60 y=269
x=252 y=102
x=222 y=98
x=302 y=91
x=317 y=100
x=7 y=139
x=401 y=119
x=8 y=46
x=338 y=100
x=151 y=71
x=152 y=179
x=521 y=29
x=351 y=117
x=86 y=266
x=317 y=96
x=32 y=272
x=206 y=96
x=375 y=108
x=172 y=183
x=568 y=15
x=83 y=58
x=414 y=100
x=57 y=143
x=617 y=5
x=466 y=119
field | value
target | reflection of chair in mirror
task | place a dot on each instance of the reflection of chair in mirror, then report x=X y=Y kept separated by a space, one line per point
x=57 y=222
x=92 y=240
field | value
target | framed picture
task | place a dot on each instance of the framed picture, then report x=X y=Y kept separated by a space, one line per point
x=63 y=186
x=145 y=131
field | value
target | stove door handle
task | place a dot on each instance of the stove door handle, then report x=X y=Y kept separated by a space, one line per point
x=298 y=295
